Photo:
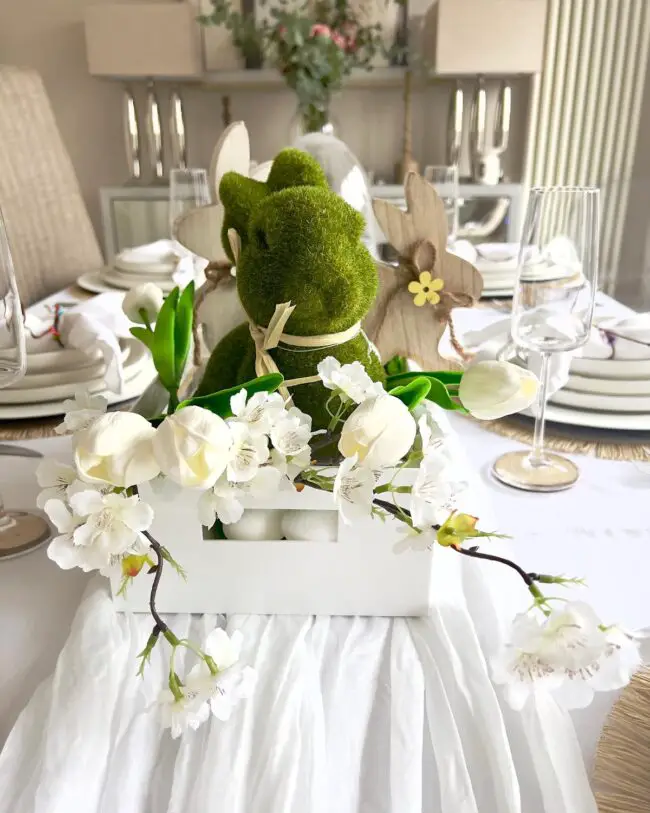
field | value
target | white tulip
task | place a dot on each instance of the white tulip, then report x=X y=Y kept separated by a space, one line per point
x=117 y=449
x=492 y=389
x=142 y=304
x=192 y=447
x=380 y=432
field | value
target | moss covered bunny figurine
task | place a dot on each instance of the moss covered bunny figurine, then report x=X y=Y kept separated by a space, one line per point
x=299 y=243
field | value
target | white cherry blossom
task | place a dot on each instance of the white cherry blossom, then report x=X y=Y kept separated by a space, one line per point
x=292 y=433
x=569 y=654
x=351 y=381
x=247 y=452
x=107 y=527
x=54 y=478
x=433 y=495
x=259 y=412
x=415 y=541
x=62 y=548
x=179 y=714
x=81 y=411
x=224 y=500
x=353 y=490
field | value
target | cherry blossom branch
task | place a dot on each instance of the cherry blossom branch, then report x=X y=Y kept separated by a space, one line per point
x=157 y=549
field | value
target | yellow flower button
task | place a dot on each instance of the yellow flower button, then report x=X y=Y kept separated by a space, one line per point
x=425 y=289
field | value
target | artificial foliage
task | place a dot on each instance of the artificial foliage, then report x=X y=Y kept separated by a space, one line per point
x=300 y=244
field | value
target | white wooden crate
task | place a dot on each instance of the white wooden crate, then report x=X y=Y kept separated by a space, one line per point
x=359 y=574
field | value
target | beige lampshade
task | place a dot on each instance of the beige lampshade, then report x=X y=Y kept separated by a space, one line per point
x=484 y=36
x=144 y=39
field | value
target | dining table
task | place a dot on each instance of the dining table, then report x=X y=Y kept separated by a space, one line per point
x=342 y=742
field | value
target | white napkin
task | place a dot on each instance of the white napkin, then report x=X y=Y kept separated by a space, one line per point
x=161 y=251
x=98 y=323
x=624 y=338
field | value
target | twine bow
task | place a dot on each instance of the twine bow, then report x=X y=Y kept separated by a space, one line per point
x=423 y=259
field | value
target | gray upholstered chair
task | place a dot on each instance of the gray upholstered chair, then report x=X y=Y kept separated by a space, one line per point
x=50 y=233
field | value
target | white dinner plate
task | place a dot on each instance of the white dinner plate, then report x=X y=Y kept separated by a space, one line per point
x=630 y=422
x=78 y=375
x=132 y=389
x=611 y=368
x=608 y=386
x=138 y=359
x=161 y=268
x=93 y=282
x=602 y=403
x=497 y=293
x=127 y=281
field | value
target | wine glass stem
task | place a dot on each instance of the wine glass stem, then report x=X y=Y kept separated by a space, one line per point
x=537 y=452
x=6 y=521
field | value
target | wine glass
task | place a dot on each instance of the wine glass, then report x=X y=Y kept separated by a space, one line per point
x=19 y=531
x=445 y=179
x=188 y=189
x=560 y=239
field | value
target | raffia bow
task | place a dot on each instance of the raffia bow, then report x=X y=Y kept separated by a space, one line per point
x=267 y=338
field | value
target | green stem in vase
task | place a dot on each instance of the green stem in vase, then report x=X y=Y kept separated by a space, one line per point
x=313 y=118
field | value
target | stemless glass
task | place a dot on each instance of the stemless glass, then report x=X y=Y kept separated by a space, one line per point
x=188 y=189
x=19 y=531
x=445 y=179
x=560 y=239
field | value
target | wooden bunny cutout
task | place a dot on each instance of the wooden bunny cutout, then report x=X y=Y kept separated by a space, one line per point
x=415 y=300
x=217 y=306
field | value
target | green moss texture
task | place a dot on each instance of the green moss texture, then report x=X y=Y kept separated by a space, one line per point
x=300 y=243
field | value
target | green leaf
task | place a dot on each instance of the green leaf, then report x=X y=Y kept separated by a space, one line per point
x=219 y=402
x=396 y=365
x=143 y=335
x=413 y=393
x=163 y=344
x=438 y=392
x=183 y=330
x=444 y=376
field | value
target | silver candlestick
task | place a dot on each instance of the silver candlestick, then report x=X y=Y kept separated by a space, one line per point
x=455 y=126
x=131 y=135
x=154 y=133
x=486 y=159
x=177 y=130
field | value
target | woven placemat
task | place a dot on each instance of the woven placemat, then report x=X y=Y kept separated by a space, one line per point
x=34 y=428
x=30 y=429
x=606 y=444
x=621 y=776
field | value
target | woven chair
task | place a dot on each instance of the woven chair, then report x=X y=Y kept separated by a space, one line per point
x=51 y=237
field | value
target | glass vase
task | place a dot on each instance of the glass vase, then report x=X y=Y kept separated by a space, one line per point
x=311 y=119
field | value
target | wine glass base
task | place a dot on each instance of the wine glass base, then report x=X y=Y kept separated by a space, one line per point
x=21 y=532
x=515 y=469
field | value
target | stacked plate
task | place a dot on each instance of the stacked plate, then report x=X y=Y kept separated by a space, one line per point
x=498 y=263
x=155 y=262
x=606 y=394
x=56 y=375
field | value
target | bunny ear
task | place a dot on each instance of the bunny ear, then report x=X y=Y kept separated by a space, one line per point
x=261 y=171
x=395 y=225
x=232 y=154
x=199 y=231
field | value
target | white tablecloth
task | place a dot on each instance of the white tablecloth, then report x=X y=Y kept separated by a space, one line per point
x=353 y=715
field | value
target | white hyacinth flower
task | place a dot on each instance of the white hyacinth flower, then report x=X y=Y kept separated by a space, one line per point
x=260 y=412
x=353 y=490
x=81 y=411
x=350 y=381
